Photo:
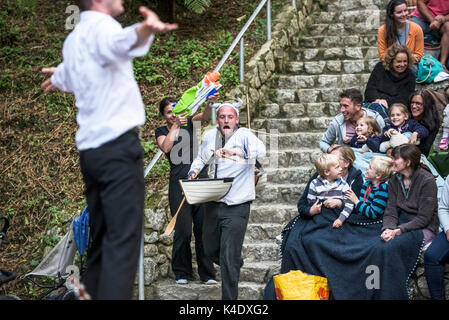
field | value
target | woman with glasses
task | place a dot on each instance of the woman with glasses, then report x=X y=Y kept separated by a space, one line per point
x=423 y=110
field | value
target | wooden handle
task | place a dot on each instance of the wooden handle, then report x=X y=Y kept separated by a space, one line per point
x=171 y=224
x=236 y=160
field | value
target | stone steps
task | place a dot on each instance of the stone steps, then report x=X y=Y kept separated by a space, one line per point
x=273 y=213
x=290 y=175
x=332 y=67
x=315 y=95
x=348 y=53
x=293 y=124
x=320 y=81
x=297 y=138
x=333 y=41
x=358 y=15
x=294 y=110
x=263 y=231
x=168 y=290
x=346 y=5
x=290 y=158
x=257 y=251
x=287 y=194
x=259 y=272
x=364 y=27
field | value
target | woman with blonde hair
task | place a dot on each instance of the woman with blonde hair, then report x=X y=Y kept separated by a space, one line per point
x=391 y=80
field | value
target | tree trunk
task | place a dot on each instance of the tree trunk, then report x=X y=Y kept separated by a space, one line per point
x=167 y=10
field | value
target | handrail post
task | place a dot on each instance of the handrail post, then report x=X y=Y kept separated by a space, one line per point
x=268 y=20
x=242 y=60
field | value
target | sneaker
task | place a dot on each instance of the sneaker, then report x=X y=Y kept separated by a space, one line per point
x=210 y=281
x=182 y=281
x=444 y=143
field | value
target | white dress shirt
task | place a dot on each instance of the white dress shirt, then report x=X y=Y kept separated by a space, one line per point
x=242 y=189
x=97 y=69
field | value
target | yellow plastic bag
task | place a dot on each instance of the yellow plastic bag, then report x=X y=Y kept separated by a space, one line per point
x=297 y=285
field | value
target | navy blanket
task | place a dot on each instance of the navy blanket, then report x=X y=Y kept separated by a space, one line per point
x=356 y=262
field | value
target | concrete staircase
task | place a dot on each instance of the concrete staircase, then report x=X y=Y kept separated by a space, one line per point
x=339 y=52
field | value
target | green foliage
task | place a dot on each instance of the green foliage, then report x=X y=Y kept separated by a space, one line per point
x=197 y=6
x=22 y=9
x=187 y=58
x=230 y=75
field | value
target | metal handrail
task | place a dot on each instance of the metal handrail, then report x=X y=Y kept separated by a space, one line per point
x=238 y=38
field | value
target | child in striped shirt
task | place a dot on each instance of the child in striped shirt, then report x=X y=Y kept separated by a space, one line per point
x=374 y=193
x=330 y=185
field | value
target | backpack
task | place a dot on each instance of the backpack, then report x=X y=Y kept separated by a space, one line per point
x=429 y=68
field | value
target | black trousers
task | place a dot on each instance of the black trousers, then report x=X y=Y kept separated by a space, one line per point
x=181 y=252
x=115 y=189
x=223 y=234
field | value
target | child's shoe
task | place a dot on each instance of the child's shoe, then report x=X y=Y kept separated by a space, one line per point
x=444 y=143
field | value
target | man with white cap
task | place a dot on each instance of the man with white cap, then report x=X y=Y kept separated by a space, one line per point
x=235 y=150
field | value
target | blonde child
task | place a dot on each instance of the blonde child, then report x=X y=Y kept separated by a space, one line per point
x=330 y=185
x=374 y=194
x=366 y=129
x=400 y=129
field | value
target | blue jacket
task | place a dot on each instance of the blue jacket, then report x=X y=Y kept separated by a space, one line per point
x=409 y=126
x=373 y=200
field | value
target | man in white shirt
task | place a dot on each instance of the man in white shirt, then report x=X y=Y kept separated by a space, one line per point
x=225 y=221
x=97 y=69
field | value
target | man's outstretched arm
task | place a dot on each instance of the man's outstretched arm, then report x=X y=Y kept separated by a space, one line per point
x=151 y=25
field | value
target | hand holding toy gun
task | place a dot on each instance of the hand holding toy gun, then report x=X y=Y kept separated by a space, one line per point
x=194 y=97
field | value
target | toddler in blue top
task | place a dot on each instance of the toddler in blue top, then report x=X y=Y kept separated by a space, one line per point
x=374 y=193
x=400 y=129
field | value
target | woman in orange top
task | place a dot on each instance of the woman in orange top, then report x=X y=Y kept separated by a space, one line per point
x=398 y=29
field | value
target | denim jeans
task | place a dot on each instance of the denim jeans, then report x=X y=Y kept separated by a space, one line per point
x=434 y=259
x=431 y=36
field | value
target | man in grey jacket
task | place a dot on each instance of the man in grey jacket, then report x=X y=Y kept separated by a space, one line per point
x=342 y=128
